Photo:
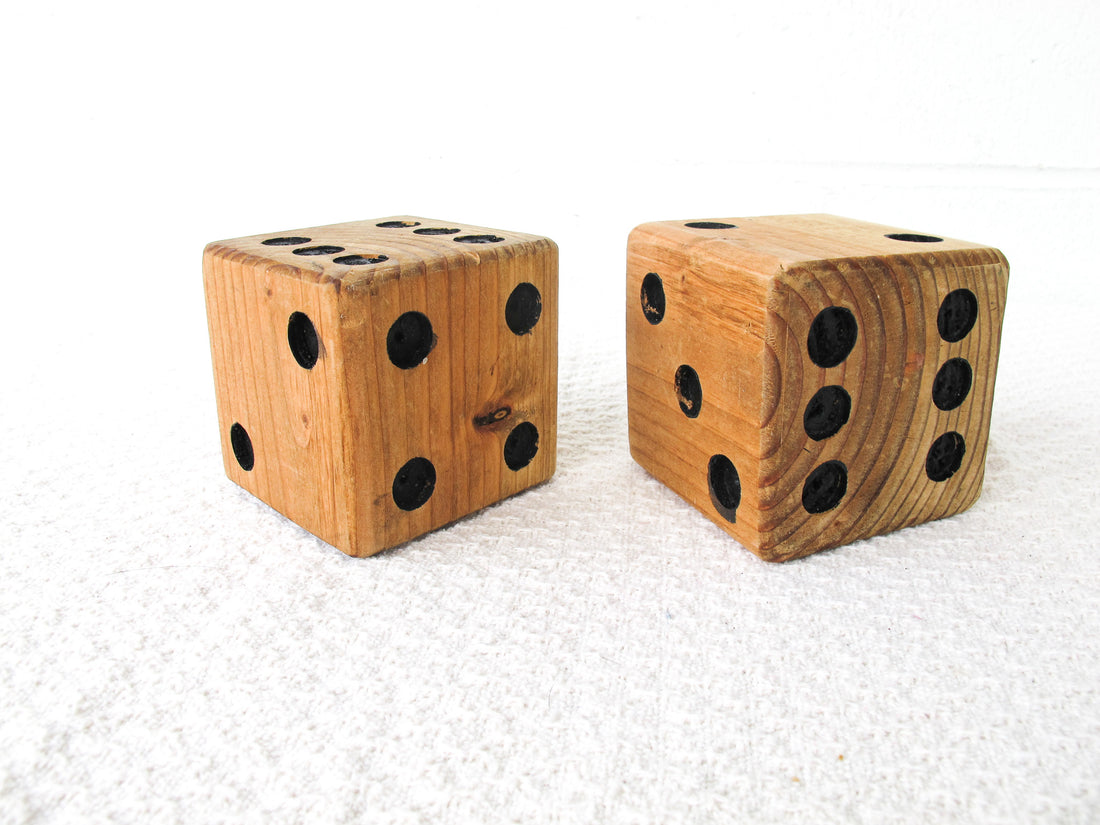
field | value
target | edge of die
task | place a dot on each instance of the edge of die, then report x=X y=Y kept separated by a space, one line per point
x=342 y=277
x=955 y=246
x=802 y=223
x=224 y=253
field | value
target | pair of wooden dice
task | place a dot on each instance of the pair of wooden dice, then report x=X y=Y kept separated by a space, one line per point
x=805 y=381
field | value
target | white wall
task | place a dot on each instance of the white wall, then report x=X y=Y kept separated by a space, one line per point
x=135 y=133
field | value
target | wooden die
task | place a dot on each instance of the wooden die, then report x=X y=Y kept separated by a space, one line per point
x=806 y=380
x=376 y=380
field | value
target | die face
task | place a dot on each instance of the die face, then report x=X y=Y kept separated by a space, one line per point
x=867 y=424
x=695 y=358
x=280 y=423
x=874 y=393
x=463 y=375
x=443 y=356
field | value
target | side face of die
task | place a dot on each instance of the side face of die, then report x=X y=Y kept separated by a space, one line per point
x=854 y=395
x=379 y=379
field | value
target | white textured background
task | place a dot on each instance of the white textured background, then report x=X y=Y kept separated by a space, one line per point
x=593 y=650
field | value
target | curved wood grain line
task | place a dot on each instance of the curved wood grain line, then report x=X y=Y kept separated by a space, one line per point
x=873 y=397
x=778 y=509
x=771 y=373
x=888 y=510
x=986 y=335
x=793 y=515
x=923 y=494
x=941 y=499
x=945 y=496
x=786 y=416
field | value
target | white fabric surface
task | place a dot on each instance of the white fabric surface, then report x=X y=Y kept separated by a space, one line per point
x=593 y=650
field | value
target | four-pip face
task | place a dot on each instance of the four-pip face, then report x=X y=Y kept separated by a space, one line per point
x=807 y=381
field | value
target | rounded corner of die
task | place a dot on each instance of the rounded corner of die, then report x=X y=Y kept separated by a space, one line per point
x=640 y=231
x=782 y=551
x=547 y=245
x=769 y=555
x=551 y=467
x=546 y=252
x=968 y=501
x=215 y=250
x=1004 y=267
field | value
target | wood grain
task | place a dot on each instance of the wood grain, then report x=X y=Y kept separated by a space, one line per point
x=740 y=304
x=329 y=440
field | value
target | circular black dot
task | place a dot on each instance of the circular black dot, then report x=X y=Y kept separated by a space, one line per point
x=689 y=392
x=436 y=230
x=414 y=483
x=710 y=225
x=945 y=456
x=521 y=445
x=523 y=309
x=242 y=447
x=653 y=297
x=725 y=486
x=290 y=240
x=302 y=337
x=827 y=412
x=397 y=224
x=318 y=250
x=479 y=239
x=359 y=260
x=957 y=315
x=409 y=340
x=832 y=336
x=912 y=237
x=825 y=487
x=952 y=384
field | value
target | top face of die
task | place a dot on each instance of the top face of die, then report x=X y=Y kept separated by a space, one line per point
x=376 y=250
x=773 y=243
